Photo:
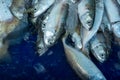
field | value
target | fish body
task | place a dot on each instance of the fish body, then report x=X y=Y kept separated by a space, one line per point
x=84 y=67
x=55 y=23
x=86 y=13
x=72 y=24
x=113 y=18
x=72 y=18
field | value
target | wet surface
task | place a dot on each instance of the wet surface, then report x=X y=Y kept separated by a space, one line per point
x=26 y=65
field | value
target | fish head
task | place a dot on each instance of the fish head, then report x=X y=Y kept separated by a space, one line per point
x=100 y=53
x=49 y=38
x=87 y=20
x=116 y=29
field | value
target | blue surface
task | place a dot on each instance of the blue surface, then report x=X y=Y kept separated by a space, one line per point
x=54 y=63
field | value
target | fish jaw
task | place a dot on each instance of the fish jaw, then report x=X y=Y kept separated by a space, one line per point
x=99 y=10
x=98 y=49
x=18 y=8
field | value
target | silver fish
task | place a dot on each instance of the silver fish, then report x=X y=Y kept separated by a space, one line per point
x=41 y=47
x=98 y=47
x=72 y=18
x=18 y=8
x=41 y=6
x=77 y=40
x=55 y=23
x=87 y=35
x=84 y=67
x=113 y=18
x=86 y=13
x=72 y=25
x=8 y=23
x=40 y=25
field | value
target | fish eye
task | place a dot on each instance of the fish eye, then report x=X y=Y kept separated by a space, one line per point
x=35 y=9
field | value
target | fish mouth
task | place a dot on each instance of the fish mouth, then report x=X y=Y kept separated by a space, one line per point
x=87 y=21
x=101 y=56
x=49 y=38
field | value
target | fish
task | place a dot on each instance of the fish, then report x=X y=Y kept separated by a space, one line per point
x=18 y=9
x=98 y=47
x=88 y=34
x=40 y=26
x=113 y=18
x=86 y=13
x=8 y=23
x=40 y=6
x=72 y=18
x=83 y=66
x=41 y=47
x=72 y=24
x=55 y=23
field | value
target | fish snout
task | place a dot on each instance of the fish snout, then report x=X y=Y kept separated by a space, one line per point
x=102 y=56
x=49 y=38
x=87 y=21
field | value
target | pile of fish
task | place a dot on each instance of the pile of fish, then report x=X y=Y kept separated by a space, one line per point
x=85 y=26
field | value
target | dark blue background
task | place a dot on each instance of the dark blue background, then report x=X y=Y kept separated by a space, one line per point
x=54 y=63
